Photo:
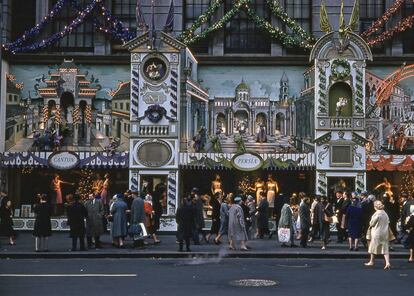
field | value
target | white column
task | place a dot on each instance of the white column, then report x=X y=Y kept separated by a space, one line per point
x=3 y=85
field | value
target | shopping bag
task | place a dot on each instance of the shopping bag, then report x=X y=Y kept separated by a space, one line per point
x=283 y=235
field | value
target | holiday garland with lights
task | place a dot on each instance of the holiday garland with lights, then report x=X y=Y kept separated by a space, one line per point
x=401 y=26
x=188 y=37
x=380 y=22
x=85 y=186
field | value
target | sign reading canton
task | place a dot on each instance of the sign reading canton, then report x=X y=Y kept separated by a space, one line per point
x=247 y=161
x=63 y=160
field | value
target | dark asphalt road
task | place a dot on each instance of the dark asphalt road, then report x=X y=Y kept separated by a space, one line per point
x=202 y=277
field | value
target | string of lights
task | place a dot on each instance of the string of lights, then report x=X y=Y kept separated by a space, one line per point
x=400 y=27
x=380 y=22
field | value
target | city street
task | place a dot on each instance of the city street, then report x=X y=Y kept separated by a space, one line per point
x=200 y=276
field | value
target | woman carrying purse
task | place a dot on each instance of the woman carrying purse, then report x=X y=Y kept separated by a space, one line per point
x=327 y=219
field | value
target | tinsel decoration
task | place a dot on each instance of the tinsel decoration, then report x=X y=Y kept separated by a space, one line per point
x=380 y=22
x=45 y=112
x=245 y=185
x=88 y=113
x=75 y=115
x=85 y=186
x=389 y=34
x=57 y=114
x=407 y=184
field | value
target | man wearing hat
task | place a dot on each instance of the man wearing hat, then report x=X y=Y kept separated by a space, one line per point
x=199 y=216
x=77 y=214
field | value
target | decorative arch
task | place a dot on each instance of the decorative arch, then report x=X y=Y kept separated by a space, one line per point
x=327 y=48
x=337 y=93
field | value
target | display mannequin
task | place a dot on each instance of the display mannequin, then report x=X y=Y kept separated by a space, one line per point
x=105 y=187
x=57 y=200
x=387 y=187
x=259 y=186
x=97 y=185
x=272 y=190
x=216 y=185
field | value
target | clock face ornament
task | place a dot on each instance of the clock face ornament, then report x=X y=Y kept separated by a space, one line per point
x=155 y=69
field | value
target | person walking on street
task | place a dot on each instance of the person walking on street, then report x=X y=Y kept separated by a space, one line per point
x=368 y=210
x=215 y=215
x=237 y=227
x=199 y=219
x=316 y=219
x=305 y=219
x=378 y=235
x=353 y=218
x=137 y=217
x=251 y=203
x=94 y=222
x=286 y=221
x=77 y=214
x=224 y=219
x=409 y=227
x=185 y=217
x=150 y=218
x=262 y=216
x=43 y=226
x=327 y=219
x=392 y=208
x=119 y=224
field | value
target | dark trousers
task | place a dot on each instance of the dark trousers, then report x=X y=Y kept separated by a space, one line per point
x=187 y=243
x=341 y=233
x=316 y=231
x=97 y=242
x=304 y=236
x=81 y=242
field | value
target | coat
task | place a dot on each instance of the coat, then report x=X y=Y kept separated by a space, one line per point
x=354 y=221
x=305 y=216
x=410 y=226
x=263 y=214
x=237 y=228
x=199 y=218
x=42 y=225
x=379 y=225
x=286 y=217
x=185 y=217
x=119 y=223
x=224 y=218
x=94 y=222
x=6 y=222
x=137 y=211
x=76 y=219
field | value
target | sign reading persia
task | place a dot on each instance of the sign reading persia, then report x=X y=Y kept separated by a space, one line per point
x=63 y=160
x=247 y=161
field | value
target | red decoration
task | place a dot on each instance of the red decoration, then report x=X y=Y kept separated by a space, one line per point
x=385 y=164
x=401 y=26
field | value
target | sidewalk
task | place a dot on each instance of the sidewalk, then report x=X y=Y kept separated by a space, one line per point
x=60 y=243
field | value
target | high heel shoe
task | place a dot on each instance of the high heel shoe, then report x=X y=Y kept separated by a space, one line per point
x=369 y=264
x=387 y=267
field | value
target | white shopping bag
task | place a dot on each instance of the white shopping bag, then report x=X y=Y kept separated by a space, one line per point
x=283 y=235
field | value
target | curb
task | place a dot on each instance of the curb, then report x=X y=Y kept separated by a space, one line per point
x=175 y=255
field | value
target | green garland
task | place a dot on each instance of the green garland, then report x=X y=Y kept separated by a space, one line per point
x=345 y=65
x=188 y=37
x=291 y=23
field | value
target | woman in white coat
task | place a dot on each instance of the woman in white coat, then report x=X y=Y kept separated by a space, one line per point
x=378 y=235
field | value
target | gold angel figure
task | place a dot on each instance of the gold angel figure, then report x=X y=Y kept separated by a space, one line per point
x=343 y=28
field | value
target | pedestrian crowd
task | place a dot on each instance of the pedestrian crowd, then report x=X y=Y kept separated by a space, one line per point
x=363 y=220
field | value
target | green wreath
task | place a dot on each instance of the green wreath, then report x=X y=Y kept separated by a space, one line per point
x=346 y=69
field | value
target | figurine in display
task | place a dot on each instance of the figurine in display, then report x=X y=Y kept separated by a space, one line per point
x=392 y=137
x=97 y=184
x=57 y=199
x=216 y=186
x=153 y=71
x=408 y=133
x=342 y=102
x=104 y=191
x=386 y=185
x=259 y=187
x=272 y=189
x=261 y=134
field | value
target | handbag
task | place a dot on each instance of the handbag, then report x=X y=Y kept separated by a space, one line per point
x=283 y=235
x=110 y=218
x=328 y=219
x=368 y=235
x=391 y=236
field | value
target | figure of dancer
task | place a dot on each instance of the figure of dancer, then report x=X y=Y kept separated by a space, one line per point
x=57 y=199
x=386 y=185
x=104 y=191
x=216 y=185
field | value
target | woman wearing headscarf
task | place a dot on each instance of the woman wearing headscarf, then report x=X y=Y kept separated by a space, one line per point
x=378 y=235
x=353 y=218
x=286 y=220
x=43 y=226
x=327 y=219
x=237 y=227
x=119 y=224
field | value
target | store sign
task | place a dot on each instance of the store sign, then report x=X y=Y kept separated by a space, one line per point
x=247 y=161
x=63 y=160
